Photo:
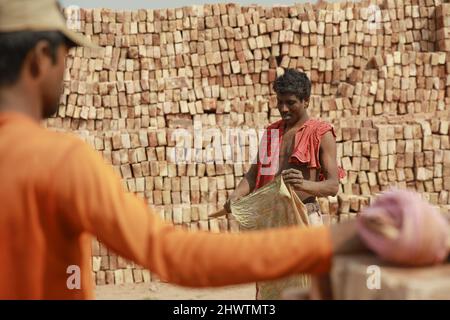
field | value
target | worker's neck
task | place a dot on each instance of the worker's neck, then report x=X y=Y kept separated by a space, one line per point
x=17 y=98
x=298 y=124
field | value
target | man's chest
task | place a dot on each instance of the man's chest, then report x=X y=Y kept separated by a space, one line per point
x=285 y=151
x=286 y=148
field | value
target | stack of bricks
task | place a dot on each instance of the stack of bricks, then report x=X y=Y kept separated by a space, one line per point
x=408 y=152
x=443 y=27
x=175 y=100
x=393 y=83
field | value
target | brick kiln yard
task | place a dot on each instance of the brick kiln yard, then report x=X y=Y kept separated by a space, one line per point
x=384 y=84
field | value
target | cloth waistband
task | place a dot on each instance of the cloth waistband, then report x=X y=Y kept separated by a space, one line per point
x=312 y=207
x=310 y=200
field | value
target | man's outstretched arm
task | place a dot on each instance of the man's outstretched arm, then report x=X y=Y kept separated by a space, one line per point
x=92 y=200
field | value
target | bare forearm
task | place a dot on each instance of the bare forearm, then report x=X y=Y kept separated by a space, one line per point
x=345 y=239
x=243 y=189
x=320 y=188
x=246 y=185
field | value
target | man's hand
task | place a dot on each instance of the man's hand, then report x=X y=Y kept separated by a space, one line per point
x=293 y=177
x=227 y=205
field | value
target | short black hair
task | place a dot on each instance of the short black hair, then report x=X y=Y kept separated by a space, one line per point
x=14 y=47
x=293 y=82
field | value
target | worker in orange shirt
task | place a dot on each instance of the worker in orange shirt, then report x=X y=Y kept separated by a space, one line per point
x=56 y=193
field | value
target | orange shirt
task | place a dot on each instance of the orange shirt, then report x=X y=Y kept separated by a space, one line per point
x=56 y=193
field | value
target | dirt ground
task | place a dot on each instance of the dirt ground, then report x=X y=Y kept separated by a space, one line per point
x=164 y=291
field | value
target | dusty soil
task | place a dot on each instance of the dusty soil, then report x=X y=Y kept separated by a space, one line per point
x=164 y=291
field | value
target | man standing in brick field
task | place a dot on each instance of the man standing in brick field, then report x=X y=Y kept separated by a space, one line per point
x=302 y=150
x=56 y=193
x=304 y=154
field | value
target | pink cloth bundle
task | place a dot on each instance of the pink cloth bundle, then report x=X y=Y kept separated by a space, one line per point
x=403 y=228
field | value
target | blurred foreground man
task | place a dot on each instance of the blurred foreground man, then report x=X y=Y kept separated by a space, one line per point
x=56 y=193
